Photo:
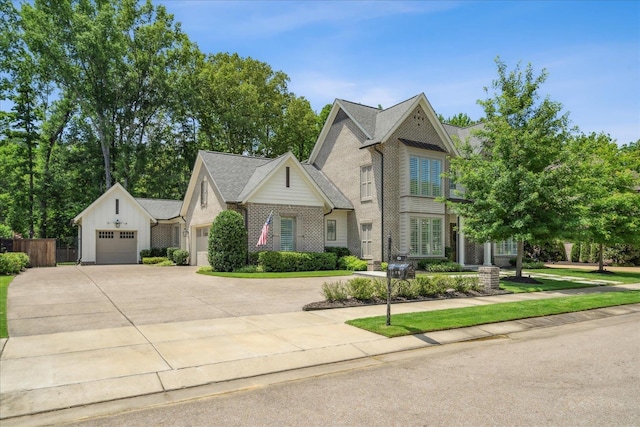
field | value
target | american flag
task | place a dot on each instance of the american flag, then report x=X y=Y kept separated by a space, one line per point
x=265 y=231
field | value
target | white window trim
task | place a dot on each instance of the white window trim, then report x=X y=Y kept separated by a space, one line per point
x=419 y=182
x=431 y=252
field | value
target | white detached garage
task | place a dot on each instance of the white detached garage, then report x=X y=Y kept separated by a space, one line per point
x=113 y=229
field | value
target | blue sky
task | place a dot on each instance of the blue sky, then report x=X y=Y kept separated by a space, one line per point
x=383 y=52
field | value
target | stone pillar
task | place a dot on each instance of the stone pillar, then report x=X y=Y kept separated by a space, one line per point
x=487 y=253
x=461 y=248
x=489 y=277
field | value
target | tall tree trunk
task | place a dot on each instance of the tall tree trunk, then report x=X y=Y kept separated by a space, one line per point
x=519 y=258
x=601 y=259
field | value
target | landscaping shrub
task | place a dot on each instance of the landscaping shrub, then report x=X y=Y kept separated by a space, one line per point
x=379 y=287
x=403 y=289
x=533 y=265
x=13 y=262
x=296 y=261
x=180 y=257
x=334 y=291
x=145 y=253
x=384 y=266
x=361 y=288
x=424 y=263
x=575 y=252
x=247 y=269
x=253 y=258
x=165 y=263
x=154 y=260
x=170 y=251
x=352 y=263
x=227 y=241
x=624 y=255
x=340 y=252
x=444 y=267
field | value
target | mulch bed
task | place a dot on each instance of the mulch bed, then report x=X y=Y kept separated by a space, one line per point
x=352 y=302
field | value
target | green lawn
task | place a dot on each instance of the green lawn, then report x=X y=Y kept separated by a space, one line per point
x=625 y=277
x=282 y=275
x=545 y=285
x=4 y=288
x=429 y=321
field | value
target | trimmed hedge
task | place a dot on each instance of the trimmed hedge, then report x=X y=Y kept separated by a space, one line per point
x=153 y=252
x=352 y=263
x=180 y=257
x=154 y=260
x=274 y=261
x=339 y=251
x=13 y=262
x=227 y=249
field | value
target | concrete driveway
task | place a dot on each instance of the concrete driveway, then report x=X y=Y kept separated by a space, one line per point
x=75 y=298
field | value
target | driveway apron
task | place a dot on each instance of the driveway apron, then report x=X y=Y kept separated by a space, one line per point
x=75 y=298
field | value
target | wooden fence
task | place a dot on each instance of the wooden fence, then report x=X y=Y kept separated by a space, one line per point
x=42 y=252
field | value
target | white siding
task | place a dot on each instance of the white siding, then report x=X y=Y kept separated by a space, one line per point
x=341 y=229
x=103 y=216
x=300 y=191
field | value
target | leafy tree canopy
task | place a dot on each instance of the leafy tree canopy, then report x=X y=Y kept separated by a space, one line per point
x=517 y=182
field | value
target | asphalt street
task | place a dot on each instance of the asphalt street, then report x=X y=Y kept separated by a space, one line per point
x=585 y=373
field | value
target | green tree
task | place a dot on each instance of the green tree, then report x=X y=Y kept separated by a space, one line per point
x=608 y=179
x=517 y=183
x=461 y=120
x=111 y=58
x=227 y=242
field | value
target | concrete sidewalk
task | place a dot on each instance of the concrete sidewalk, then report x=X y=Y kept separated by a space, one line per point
x=41 y=373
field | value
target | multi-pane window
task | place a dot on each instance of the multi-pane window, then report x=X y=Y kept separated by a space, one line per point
x=426 y=236
x=366 y=182
x=331 y=230
x=287 y=234
x=507 y=247
x=365 y=234
x=105 y=234
x=127 y=234
x=424 y=176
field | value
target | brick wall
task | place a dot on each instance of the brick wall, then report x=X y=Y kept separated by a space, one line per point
x=311 y=219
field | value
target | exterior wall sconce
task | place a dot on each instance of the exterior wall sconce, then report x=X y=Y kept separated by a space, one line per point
x=117 y=223
x=185 y=232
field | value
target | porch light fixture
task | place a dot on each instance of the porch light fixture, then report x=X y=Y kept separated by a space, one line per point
x=185 y=232
x=117 y=223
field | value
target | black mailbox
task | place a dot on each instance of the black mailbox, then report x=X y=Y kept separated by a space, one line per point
x=402 y=269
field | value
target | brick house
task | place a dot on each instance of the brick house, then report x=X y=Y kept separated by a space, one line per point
x=372 y=173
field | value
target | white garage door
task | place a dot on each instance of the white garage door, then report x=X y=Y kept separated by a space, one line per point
x=116 y=247
x=202 y=245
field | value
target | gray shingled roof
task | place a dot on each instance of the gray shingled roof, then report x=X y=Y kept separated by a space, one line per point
x=331 y=191
x=236 y=176
x=377 y=123
x=464 y=133
x=231 y=172
x=161 y=208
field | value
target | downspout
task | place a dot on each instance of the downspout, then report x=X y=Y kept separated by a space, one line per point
x=375 y=147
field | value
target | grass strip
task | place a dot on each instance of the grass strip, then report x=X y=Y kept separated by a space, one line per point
x=618 y=276
x=280 y=275
x=545 y=285
x=4 y=289
x=438 y=320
